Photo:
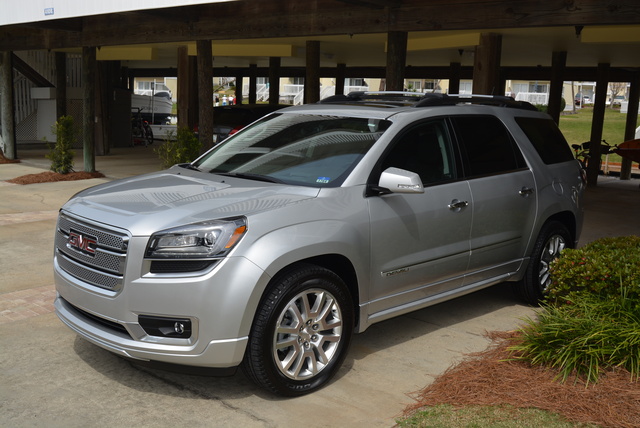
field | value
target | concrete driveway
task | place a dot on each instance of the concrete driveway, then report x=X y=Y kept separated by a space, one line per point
x=52 y=378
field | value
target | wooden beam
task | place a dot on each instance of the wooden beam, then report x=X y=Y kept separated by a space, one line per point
x=289 y=18
x=597 y=124
x=205 y=94
x=486 y=67
x=396 y=60
x=61 y=84
x=274 y=80
x=312 y=78
x=7 y=118
x=632 y=121
x=89 y=107
x=183 y=87
x=558 y=65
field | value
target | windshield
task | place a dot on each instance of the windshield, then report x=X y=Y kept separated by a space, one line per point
x=308 y=150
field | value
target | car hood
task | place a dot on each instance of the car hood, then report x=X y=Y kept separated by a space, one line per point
x=148 y=203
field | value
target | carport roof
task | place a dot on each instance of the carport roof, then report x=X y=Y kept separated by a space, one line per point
x=351 y=32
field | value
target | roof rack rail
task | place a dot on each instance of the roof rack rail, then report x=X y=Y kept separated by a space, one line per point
x=452 y=99
x=417 y=99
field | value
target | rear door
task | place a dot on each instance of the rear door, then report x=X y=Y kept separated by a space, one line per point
x=504 y=197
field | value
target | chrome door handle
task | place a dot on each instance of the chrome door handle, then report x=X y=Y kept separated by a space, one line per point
x=525 y=191
x=457 y=205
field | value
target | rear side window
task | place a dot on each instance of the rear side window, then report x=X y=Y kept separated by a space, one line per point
x=546 y=138
x=486 y=145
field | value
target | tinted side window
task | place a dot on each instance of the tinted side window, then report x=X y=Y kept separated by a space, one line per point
x=424 y=149
x=546 y=138
x=486 y=145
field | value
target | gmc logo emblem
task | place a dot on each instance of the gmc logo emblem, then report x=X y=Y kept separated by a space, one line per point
x=84 y=244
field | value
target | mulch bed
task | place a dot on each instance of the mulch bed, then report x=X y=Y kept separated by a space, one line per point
x=50 y=176
x=5 y=160
x=488 y=378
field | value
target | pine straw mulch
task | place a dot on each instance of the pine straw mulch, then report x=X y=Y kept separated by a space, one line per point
x=489 y=378
x=50 y=176
x=5 y=160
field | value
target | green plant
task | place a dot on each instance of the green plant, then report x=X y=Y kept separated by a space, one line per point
x=591 y=320
x=599 y=268
x=60 y=154
x=179 y=147
x=584 y=336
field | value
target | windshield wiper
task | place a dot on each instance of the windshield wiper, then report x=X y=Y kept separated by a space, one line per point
x=249 y=176
x=188 y=166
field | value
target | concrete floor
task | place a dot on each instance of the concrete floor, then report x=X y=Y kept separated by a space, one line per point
x=50 y=377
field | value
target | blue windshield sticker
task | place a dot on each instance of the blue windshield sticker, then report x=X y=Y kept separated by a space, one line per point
x=323 y=180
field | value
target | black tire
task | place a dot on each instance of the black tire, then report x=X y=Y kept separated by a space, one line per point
x=301 y=332
x=148 y=135
x=553 y=238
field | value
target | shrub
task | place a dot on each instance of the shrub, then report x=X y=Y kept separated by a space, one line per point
x=599 y=268
x=591 y=320
x=61 y=155
x=584 y=337
x=179 y=147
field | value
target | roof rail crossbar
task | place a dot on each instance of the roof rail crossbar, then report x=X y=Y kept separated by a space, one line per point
x=417 y=99
x=373 y=97
x=453 y=99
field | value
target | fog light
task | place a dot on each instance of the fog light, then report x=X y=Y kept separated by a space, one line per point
x=165 y=326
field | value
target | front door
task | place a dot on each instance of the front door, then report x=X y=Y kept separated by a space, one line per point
x=419 y=242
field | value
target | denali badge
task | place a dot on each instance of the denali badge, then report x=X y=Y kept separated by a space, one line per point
x=83 y=243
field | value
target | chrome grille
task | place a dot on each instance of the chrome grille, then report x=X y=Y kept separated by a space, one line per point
x=105 y=267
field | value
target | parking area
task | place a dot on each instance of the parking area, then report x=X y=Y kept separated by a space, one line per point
x=52 y=378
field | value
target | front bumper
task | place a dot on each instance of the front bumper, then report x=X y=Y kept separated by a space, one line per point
x=220 y=305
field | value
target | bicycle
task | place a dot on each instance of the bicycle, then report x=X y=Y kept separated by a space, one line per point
x=583 y=152
x=141 y=131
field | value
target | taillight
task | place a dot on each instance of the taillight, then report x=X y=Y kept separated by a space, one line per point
x=583 y=176
x=236 y=129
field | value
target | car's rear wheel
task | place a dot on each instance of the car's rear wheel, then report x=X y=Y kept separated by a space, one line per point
x=301 y=332
x=553 y=238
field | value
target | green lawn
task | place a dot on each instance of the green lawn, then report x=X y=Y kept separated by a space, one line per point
x=577 y=127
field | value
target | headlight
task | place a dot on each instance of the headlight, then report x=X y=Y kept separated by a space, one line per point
x=199 y=240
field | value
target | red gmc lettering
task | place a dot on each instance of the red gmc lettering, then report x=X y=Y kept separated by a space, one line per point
x=81 y=243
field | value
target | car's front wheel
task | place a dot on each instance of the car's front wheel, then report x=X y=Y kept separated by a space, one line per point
x=553 y=238
x=301 y=332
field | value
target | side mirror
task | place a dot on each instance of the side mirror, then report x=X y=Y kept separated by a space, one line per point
x=400 y=181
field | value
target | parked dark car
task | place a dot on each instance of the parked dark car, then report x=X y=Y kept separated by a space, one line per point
x=227 y=120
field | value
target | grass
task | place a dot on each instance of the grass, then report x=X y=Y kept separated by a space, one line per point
x=577 y=127
x=446 y=416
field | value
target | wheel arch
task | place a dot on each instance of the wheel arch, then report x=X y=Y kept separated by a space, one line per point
x=568 y=219
x=338 y=264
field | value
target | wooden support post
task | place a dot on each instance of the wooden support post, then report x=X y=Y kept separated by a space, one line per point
x=558 y=66
x=274 y=80
x=340 y=78
x=632 y=122
x=312 y=77
x=486 y=68
x=183 y=87
x=205 y=93
x=192 y=98
x=7 y=120
x=454 y=79
x=89 y=107
x=253 y=83
x=396 y=60
x=61 y=84
x=597 y=124
x=239 y=96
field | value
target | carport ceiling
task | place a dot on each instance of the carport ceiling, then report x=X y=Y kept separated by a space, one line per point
x=520 y=47
x=352 y=32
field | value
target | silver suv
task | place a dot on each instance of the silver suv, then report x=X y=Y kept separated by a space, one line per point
x=273 y=248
